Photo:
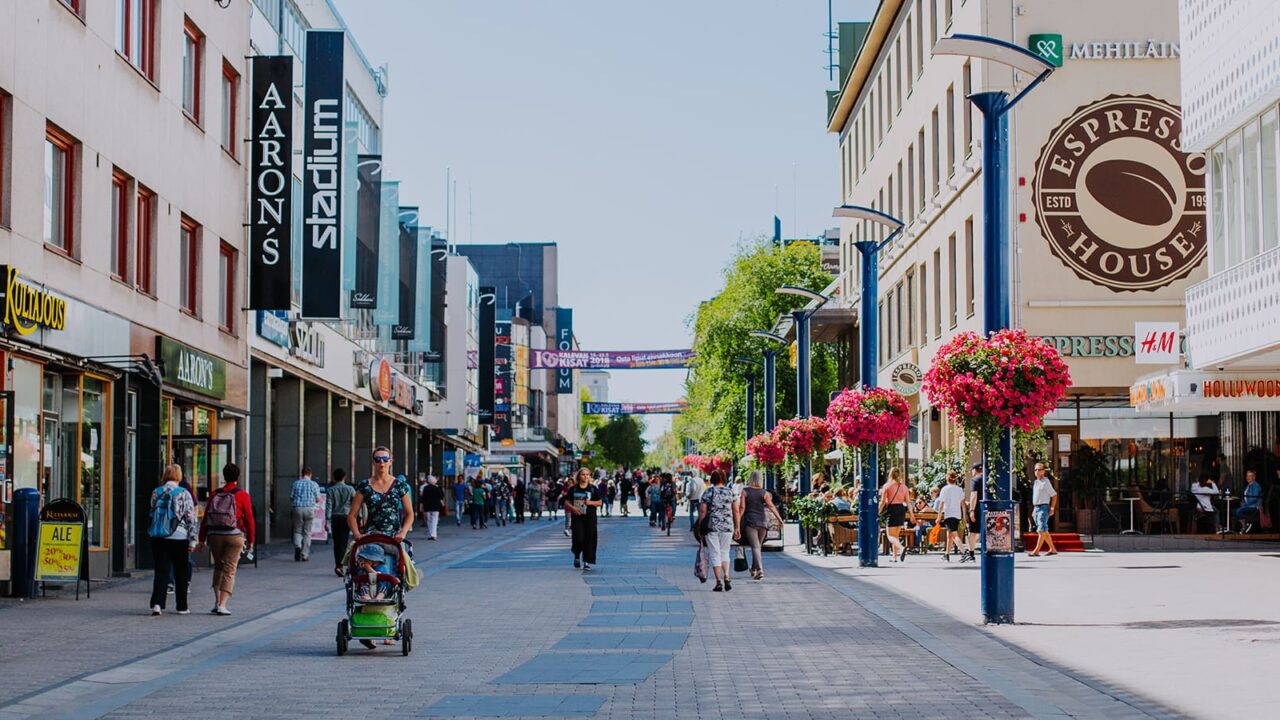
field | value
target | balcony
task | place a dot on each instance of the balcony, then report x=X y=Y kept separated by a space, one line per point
x=1233 y=318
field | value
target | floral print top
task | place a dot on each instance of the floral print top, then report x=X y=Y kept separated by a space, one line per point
x=383 y=508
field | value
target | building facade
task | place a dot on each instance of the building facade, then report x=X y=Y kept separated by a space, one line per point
x=1092 y=254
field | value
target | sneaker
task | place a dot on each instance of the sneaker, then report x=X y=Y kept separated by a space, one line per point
x=586 y=567
x=170 y=589
x=221 y=611
x=577 y=562
x=368 y=643
x=155 y=610
x=184 y=612
x=297 y=554
x=566 y=532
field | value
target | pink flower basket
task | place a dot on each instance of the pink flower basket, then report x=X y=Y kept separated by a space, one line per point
x=869 y=416
x=802 y=437
x=766 y=449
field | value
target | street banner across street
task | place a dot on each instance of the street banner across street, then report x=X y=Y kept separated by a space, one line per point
x=321 y=176
x=610 y=359
x=270 y=198
x=666 y=408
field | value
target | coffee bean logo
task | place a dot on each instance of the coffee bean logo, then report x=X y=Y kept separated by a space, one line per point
x=1117 y=199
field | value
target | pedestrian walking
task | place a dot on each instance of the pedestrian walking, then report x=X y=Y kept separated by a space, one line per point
x=1044 y=501
x=173 y=533
x=895 y=501
x=751 y=522
x=384 y=499
x=432 y=500
x=228 y=529
x=502 y=498
x=719 y=506
x=338 y=503
x=951 y=508
x=479 y=507
x=564 y=493
x=460 y=492
x=624 y=485
x=694 y=487
x=977 y=490
x=534 y=498
x=552 y=495
x=304 y=495
x=581 y=502
x=518 y=495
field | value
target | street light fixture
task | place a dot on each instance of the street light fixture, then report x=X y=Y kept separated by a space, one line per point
x=997 y=567
x=751 y=393
x=805 y=293
x=869 y=250
x=804 y=399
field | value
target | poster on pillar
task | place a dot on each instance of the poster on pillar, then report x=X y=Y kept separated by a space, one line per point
x=270 y=198
x=408 y=274
x=321 y=176
x=564 y=342
x=364 y=295
x=503 y=380
x=487 y=318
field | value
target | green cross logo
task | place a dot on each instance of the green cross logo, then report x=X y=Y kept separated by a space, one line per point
x=1047 y=46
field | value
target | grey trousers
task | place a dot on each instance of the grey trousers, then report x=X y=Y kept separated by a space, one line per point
x=302 y=519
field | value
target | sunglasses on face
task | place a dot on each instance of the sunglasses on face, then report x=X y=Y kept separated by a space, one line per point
x=381 y=458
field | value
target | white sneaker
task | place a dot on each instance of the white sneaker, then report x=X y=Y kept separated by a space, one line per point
x=184 y=612
x=221 y=611
x=155 y=610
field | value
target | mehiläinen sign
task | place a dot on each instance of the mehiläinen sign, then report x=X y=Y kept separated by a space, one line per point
x=270 y=171
x=321 y=176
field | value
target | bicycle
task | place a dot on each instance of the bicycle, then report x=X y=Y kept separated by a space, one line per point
x=668 y=515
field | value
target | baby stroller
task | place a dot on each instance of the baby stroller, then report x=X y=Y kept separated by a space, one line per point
x=374 y=575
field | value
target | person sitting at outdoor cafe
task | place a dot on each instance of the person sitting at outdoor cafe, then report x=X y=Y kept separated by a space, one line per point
x=1249 y=510
x=1204 y=491
x=841 y=501
x=924 y=526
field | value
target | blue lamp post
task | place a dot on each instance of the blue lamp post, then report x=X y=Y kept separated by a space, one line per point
x=804 y=370
x=997 y=567
x=751 y=393
x=868 y=369
x=770 y=393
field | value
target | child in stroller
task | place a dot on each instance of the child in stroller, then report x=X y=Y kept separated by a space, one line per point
x=375 y=584
x=371 y=561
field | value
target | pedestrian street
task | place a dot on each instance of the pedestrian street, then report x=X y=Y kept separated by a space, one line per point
x=506 y=627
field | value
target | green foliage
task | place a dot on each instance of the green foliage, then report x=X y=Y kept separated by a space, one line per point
x=933 y=473
x=665 y=450
x=716 y=385
x=618 y=443
x=811 y=512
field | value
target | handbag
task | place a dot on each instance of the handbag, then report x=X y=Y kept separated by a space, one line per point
x=1264 y=518
x=740 y=560
x=700 y=564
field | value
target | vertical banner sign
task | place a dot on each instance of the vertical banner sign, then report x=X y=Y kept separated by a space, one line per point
x=321 y=176
x=270 y=173
x=488 y=307
x=350 y=196
x=421 y=341
x=364 y=295
x=504 y=375
x=408 y=274
x=387 y=310
x=564 y=341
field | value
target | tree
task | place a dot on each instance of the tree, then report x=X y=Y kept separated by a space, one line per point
x=716 y=385
x=666 y=450
x=619 y=443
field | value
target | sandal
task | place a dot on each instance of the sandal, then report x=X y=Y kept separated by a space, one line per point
x=718 y=587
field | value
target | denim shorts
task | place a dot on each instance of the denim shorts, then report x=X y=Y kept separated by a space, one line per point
x=1041 y=516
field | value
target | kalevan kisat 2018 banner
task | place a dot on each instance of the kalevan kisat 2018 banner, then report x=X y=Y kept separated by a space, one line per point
x=667 y=408
x=270 y=169
x=609 y=359
x=321 y=176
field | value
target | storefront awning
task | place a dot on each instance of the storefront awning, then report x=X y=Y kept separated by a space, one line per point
x=1192 y=390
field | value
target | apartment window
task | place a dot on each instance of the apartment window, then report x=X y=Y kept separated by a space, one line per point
x=901 y=196
x=120 y=225
x=909 y=70
x=946 y=13
x=1231 y=172
x=933 y=20
x=920 y=169
x=59 y=189
x=924 y=303
x=897 y=52
x=951 y=131
x=920 y=38
x=227 y=288
x=951 y=289
x=230 y=107
x=911 y=181
x=1250 y=188
x=144 y=272
x=74 y=6
x=367 y=132
x=189 y=270
x=1268 y=186
x=937 y=294
x=884 y=334
x=968 y=110
x=898 y=342
x=969 y=261
x=136 y=34
x=911 y=308
x=4 y=159
x=935 y=180
x=192 y=70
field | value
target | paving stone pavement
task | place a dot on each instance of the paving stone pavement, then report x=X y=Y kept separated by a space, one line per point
x=505 y=627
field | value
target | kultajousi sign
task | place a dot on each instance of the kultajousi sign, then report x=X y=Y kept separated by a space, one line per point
x=666 y=408
x=27 y=307
x=270 y=172
x=609 y=360
x=1117 y=199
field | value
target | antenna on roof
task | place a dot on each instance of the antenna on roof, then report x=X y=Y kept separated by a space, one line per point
x=833 y=61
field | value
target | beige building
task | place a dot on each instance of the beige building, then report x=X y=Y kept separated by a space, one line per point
x=121 y=204
x=1108 y=226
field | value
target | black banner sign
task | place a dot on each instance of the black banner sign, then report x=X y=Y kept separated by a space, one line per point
x=368 y=214
x=564 y=341
x=404 y=329
x=488 y=320
x=321 y=176
x=503 y=384
x=270 y=172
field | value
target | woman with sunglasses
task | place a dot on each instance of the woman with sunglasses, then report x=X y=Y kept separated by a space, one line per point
x=385 y=498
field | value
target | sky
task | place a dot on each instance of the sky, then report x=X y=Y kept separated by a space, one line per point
x=645 y=138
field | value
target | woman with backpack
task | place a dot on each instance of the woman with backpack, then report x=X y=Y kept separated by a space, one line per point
x=229 y=530
x=173 y=534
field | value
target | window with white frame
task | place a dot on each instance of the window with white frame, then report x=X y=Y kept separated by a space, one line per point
x=1243 y=193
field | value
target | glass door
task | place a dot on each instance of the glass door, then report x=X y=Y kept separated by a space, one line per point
x=191 y=453
x=6 y=463
x=220 y=456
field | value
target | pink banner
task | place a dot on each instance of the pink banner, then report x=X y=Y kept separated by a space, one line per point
x=609 y=360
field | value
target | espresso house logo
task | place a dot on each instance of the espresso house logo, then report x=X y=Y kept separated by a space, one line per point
x=1117 y=199
x=26 y=307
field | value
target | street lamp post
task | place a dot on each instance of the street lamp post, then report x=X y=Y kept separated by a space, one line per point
x=751 y=393
x=770 y=393
x=804 y=371
x=868 y=369
x=997 y=567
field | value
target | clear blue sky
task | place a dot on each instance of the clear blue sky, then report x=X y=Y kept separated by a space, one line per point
x=646 y=138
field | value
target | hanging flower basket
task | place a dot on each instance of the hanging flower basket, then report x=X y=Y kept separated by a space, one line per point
x=721 y=462
x=801 y=438
x=766 y=449
x=869 y=416
x=692 y=460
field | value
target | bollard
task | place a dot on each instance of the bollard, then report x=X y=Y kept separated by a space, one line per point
x=26 y=526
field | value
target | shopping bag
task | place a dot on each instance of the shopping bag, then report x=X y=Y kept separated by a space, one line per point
x=935 y=534
x=700 y=564
x=740 y=560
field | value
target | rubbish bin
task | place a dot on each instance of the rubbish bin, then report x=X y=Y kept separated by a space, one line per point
x=26 y=526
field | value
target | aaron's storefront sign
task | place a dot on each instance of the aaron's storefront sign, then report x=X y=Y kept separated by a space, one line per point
x=27 y=307
x=189 y=369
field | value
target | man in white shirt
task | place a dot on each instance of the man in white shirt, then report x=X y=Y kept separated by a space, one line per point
x=1044 y=500
x=1204 y=492
x=693 y=495
x=951 y=507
